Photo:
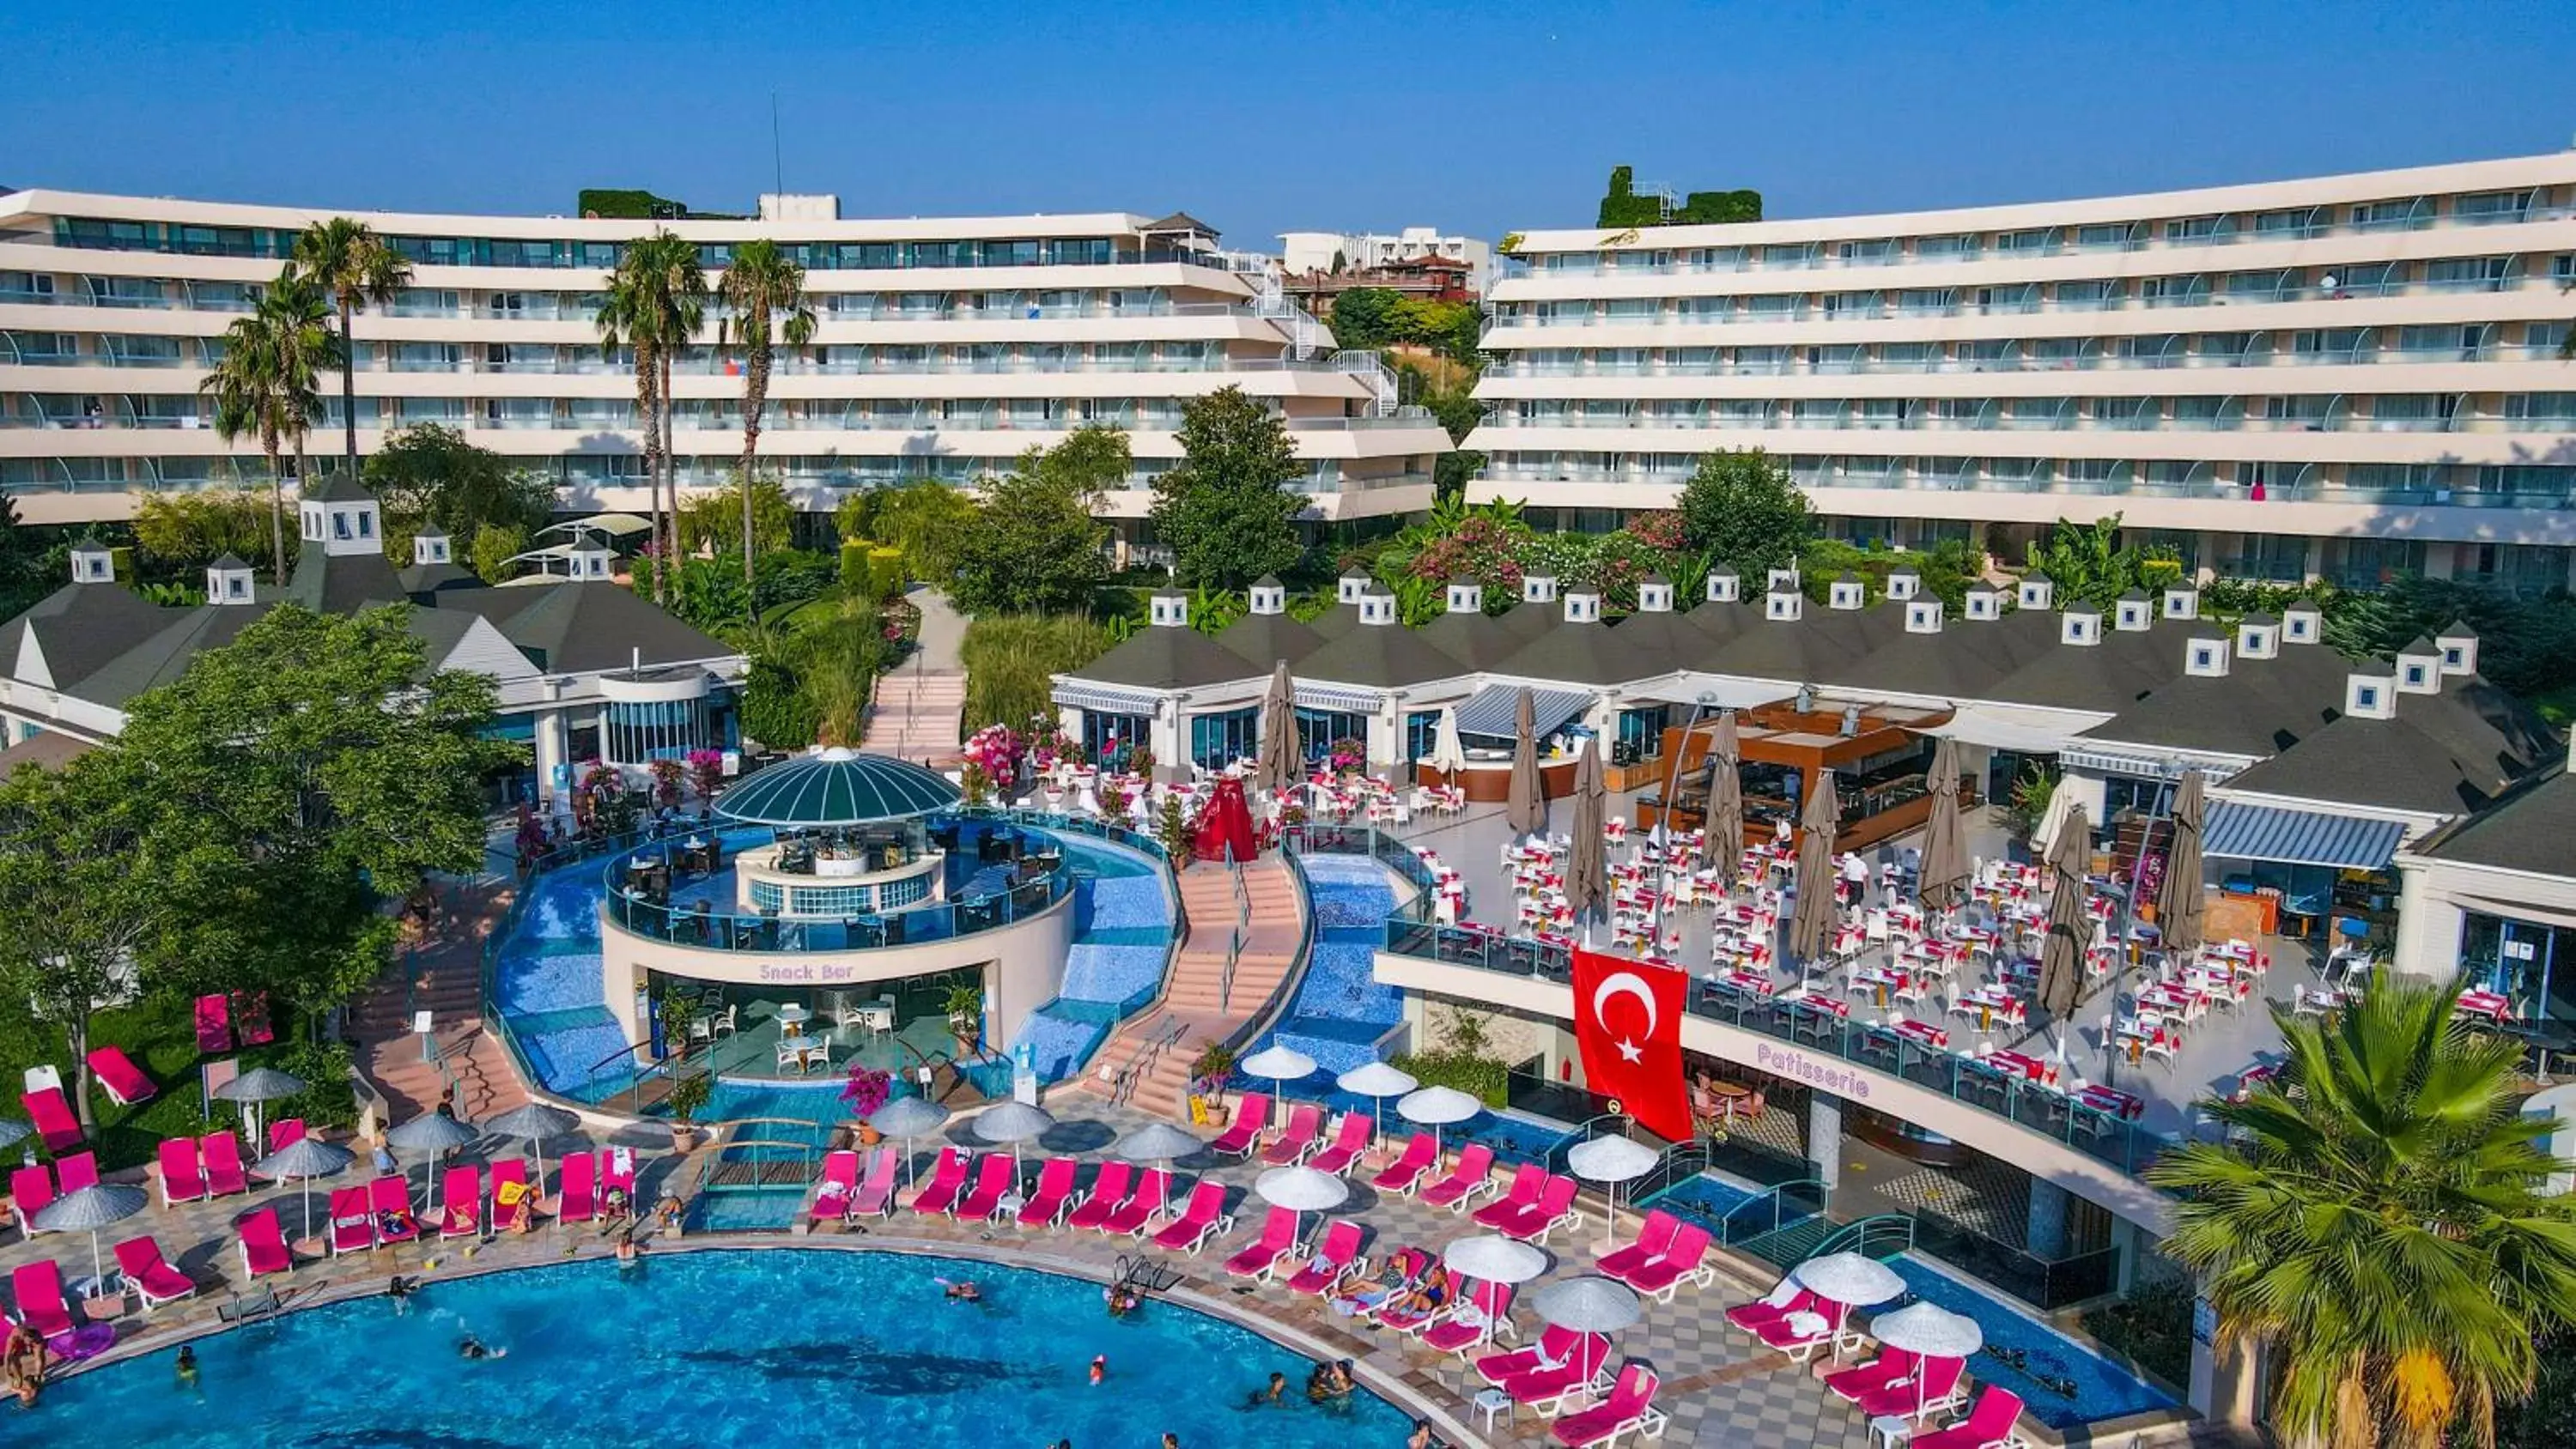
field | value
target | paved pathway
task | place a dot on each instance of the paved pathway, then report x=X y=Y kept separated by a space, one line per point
x=917 y=711
x=440 y=972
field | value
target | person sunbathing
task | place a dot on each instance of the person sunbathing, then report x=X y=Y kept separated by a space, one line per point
x=460 y=1218
x=1429 y=1294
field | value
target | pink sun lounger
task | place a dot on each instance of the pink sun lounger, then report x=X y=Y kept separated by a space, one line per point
x=875 y=1197
x=1110 y=1188
x=1683 y=1260
x=1153 y=1185
x=1305 y=1124
x=1472 y=1178
x=1477 y=1320
x=1053 y=1194
x=75 y=1172
x=1351 y=1138
x=1555 y=1345
x=352 y=1226
x=577 y=1188
x=283 y=1131
x=1339 y=1252
x=389 y=1198
x=53 y=1117
x=1528 y=1181
x=1630 y=1407
x=214 y=1025
x=831 y=1200
x=1250 y=1111
x=182 y=1179
x=222 y=1156
x=1403 y=1175
x=1555 y=1209
x=1785 y=1298
x=1892 y=1366
x=1203 y=1217
x=30 y=1190
x=123 y=1079
x=263 y=1245
x=995 y=1177
x=460 y=1203
x=512 y=1172
x=140 y=1260
x=1546 y=1389
x=38 y=1287
x=947 y=1177
x=1258 y=1258
x=1652 y=1237
x=1989 y=1425
x=1931 y=1388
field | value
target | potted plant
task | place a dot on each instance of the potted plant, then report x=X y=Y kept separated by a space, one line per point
x=1208 y=1071
x=688 y=1098
x=964 y=1008
x=674 y=1011
x=866 y=1089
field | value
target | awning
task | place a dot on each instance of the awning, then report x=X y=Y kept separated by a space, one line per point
x=2299 y=837
x=2020 y=729
x=615 y=525
x=1495 y=709
x=1716 y=691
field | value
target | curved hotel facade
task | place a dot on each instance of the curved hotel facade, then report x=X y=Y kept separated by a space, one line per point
x=943 y=348
x=2350 y=378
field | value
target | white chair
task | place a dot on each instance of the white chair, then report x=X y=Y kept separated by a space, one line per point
x=722 y=1024
x=791 y=1053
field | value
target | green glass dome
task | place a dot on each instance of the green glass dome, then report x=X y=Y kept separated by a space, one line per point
x=837 y=787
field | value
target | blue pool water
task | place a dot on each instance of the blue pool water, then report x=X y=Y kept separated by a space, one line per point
x=1341 y=1011
x=722 y=1349
x=1122 y=937
x=2102 y=1389
x=1704 y=1199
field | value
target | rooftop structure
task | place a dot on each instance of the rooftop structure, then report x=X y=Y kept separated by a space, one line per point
x=2353 y=378
x=943 y=348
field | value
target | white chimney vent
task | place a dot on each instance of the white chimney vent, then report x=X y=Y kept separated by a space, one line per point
x=1985 y=602
x=1903 y=583
x=1923 y=616
x=1351 y=588
x=1582 y=606
x=1847 y=592
x=1655 y=595
x=1783 y=605
x=2135 y=613
x=1169 y=609
x=2459 y=646
x=1377 y=607
x=2205 y=657
x=1781 y=579
x=2303 y=623
x=1538 y=589
x=2258 y=636
x=93 y=563
x=2182 y=602
x=2080 y=625
x=1466 y=596
x=429 y=546
x=228 y=581
x=2038 y=593
x=1725 y=585
x=2370 y=694
x=2419 y=668
x=1269 y=596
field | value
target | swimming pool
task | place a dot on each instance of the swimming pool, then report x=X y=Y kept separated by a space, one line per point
x=722 y=1348
x=2063 y=1382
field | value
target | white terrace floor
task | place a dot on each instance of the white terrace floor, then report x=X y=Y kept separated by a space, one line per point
x=2216 y=1048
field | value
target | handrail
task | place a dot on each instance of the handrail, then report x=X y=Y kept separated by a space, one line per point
x=1883 y=1236
x=1766 y=1213
x=1554 y=1159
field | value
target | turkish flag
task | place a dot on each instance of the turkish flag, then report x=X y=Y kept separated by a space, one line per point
x=1628 y=1026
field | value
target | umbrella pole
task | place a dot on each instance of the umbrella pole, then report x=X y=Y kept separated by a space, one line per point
x=308 y=1207
x=97 y=1267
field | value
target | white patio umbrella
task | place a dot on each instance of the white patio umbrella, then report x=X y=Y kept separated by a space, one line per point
x=12 y=1132
x=904 y=1119
x=89 y=1209
x=303 y=1160
x=1012 y=1123
x=1589 y=1304
x=259 y=1084
x=1435 y=1107
x=1494 y=1259
x=1281 y=1065
x=1379 y=1081
x=1448 y=753
x=533 y=1123
x=1158 y=1142
x=1611 y=1161
x=1301 y=1190
x=1928 y=1330
x=1848 y=1281
x=430 y=1134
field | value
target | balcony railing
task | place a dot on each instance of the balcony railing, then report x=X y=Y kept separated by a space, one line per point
x=774 y=934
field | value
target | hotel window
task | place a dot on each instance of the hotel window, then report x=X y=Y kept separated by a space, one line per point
x=1421 y=733
x=2447 y=340
x=2492 y=206
x=1641 y=734
x=2553 y=412
x=641 y=731
x=2526 y=570
x=2090 y=295
x=1317 y=729
x=2108 y=237
x=1218 y=740
x=2467 y=274
x=2385 y=215
x=2197 y=228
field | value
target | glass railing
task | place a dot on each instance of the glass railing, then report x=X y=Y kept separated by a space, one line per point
x=769 y=933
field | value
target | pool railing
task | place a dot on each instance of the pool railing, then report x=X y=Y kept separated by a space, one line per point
x=771 y=933
x=1410 y=931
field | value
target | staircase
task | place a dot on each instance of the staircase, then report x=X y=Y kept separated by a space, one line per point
x=916 y=715
x=440 y=972
x=1147 y=1064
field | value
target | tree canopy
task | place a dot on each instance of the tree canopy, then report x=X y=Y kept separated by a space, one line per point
x=2089 y=563
x=287 y=782
x=1034 y=546
x=181 y=533
x=926 y=521
x=713 y=521
x=1227 y=512
x=1741 y=508
x=73 y=909
x=429 y=475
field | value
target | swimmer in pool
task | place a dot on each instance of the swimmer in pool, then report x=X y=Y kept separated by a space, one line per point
x=474 y=1348
x=187 y=1366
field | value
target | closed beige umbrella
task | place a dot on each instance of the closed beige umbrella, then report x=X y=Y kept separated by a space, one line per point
x=1725 y=843
x=1276 y=768
x=1525 y=809
x=1943 y=877
x=2178 y=903
x=1587 y=866
x=1813 y=924
x=2070 y=928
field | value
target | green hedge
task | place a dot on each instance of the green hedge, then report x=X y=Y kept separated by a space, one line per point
x=1480 y=1077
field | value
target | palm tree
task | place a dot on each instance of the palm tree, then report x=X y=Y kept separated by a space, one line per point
x=265 y=386
x=761 y=283
x=346 y=258
x=655 y=303
x=2376 y=1218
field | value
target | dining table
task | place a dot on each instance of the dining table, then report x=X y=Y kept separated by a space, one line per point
x=1922 y=1034
x=2493 y=1007
x=2023 y=1065
x=2126 y=1106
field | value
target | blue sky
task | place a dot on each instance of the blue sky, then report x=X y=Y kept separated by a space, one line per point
x=1481 y=118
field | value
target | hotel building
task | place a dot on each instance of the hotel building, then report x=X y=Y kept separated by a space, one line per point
x=943 y=348
x=2352 y=378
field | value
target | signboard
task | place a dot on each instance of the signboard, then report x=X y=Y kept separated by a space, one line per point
x=2204 y=1323
x=2520 y=950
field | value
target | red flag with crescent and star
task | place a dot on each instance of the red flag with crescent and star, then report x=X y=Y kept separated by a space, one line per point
x=1628 y=1026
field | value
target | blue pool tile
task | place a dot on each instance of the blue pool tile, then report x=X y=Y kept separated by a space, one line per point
x=2102 y=1389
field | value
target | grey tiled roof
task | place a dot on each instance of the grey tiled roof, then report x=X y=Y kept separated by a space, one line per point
x=2532 y=828
x=1380 y=656
x=1167 y=656
x=1265 y=639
